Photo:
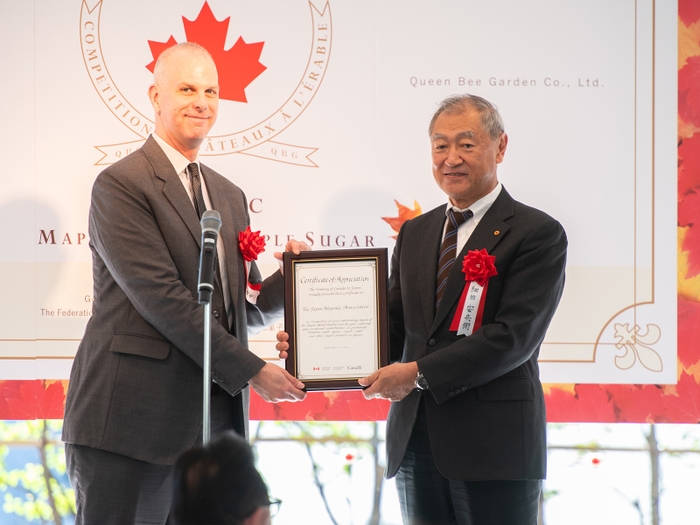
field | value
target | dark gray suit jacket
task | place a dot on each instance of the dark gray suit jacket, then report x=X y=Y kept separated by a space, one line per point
x=136 y=383
x=485 y=408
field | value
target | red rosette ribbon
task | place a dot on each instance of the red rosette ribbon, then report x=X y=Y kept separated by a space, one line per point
x=478 y=267
x=251 y=245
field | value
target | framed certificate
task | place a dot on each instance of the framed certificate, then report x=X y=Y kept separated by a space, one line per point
x=336 y=316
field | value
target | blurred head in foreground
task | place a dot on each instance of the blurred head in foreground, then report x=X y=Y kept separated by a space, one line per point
x=218 y=484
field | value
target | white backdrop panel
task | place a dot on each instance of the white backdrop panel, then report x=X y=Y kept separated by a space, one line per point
x=335 y=129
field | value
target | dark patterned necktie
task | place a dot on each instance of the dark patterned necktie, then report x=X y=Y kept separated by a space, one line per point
x=200 y=207
x=448 y=251
x=196 y=187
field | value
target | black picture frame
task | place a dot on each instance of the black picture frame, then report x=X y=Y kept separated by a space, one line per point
x=374 y=257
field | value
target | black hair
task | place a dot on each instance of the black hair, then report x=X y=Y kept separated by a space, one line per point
x=217 y=484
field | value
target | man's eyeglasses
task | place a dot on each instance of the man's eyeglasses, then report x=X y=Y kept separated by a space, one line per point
x=274 y=505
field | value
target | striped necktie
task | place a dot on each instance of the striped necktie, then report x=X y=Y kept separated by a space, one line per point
x=448 y=250
x=200 y=207
x=196 y=187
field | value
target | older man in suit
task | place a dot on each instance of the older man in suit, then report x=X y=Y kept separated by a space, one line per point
x=466 y=429
x=135 y=396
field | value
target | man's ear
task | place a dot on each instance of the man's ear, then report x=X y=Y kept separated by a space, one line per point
x=502 y=145
x=153 y=97
x=260 y=517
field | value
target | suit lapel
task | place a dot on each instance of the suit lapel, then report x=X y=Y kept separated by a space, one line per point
x=431 y=240
x=490 y=230
x=173 y=189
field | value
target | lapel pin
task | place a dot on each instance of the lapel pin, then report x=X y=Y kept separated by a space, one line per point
x=497 y=232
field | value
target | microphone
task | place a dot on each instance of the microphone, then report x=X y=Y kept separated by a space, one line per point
x=211 y=224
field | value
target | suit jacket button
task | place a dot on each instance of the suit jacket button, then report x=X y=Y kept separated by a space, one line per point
x=431 y=342
x=216 y=314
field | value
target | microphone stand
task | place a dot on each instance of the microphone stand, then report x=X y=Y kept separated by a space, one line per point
x=211 y=224
x=206 y=366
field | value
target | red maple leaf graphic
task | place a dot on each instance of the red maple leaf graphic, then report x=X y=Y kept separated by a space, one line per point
x=32 y=399
x=320 y=406
x=688 y=164
x=688 y=211
x=50 y=404
x=685 y=408
x=24 y=406
x=688 y=92
x=689 y=215
x=591 y=403
x=689 y=198
x=8 y=390
x=689 y=11
x=638 y=403
x=688 y=332
x=237 y=66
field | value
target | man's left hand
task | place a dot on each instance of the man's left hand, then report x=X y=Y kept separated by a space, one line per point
x=282 y=344
x=294 y=246
x=393 y=382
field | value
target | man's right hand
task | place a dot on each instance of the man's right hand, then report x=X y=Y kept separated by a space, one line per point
x=274 y=384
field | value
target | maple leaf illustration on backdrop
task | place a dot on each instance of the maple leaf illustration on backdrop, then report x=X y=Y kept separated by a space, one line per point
x=32 y=399
x=689 y=163
x=405 y=214
x=237 y=66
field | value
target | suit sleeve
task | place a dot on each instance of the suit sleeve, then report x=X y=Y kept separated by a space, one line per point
x=127 y=236
x=397 y=332
x=532 y=285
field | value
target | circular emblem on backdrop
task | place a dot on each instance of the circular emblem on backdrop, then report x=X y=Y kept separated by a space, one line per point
x=271 y=65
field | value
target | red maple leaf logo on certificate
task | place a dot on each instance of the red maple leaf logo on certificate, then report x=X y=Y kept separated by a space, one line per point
x=237 y=66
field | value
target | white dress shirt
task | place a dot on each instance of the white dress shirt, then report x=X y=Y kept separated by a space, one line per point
x=479 y=209
x=180 y=163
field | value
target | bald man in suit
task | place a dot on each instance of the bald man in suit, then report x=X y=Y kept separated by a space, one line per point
x=135 y=396
x=466 y=429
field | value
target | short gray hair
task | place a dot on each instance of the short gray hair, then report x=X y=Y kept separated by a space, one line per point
x=163 y=59
x=491 y=119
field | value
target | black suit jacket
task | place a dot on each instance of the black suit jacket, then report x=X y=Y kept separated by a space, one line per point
x=136 y=383
x=485 y=407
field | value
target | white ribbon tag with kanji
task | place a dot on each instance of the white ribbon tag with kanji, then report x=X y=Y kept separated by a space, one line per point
x=470 y=309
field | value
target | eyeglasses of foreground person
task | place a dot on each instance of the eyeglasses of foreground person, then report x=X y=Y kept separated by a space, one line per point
x=274 y=505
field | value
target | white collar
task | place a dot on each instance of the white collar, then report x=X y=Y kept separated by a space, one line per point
x=177 y=159
x=480 y=207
